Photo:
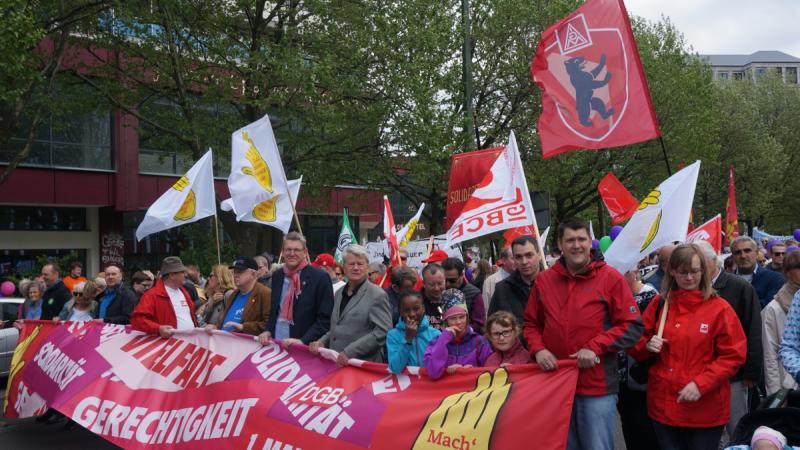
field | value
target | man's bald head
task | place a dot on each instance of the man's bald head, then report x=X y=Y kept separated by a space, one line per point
x=663 y=255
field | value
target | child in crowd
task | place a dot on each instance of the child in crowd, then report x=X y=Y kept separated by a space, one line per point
x=503 y=333
x=406 y=342
x=765 y=438
x=458 y=345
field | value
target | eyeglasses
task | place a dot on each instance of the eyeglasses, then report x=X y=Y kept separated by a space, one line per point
x=778 y=253
x=404 y=258
x=502 y=334
x=694 y=272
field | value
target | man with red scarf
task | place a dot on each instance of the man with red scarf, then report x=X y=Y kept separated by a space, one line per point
x=302 y=297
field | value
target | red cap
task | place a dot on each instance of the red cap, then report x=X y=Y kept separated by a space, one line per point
x=499 y=262
x=324 y=260
x=436 y=256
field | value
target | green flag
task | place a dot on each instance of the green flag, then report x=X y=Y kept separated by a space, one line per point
x=346 y=237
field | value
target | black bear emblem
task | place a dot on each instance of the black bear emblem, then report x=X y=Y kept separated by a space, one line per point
x=584 y=83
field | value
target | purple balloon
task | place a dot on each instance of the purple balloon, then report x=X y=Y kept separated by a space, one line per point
x=595 y=244
x=797 y=234
x=771 y=243
x=614 y=232
x=792 y=248
x=7 y=288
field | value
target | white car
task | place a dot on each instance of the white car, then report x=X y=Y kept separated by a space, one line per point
x=8 y=334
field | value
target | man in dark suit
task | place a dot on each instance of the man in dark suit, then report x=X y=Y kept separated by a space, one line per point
x=302 y=297
x=766 y=282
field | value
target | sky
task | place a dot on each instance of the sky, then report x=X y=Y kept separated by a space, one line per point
x=729 y=26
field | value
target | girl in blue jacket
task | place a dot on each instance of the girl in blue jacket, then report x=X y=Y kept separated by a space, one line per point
x=407 y=341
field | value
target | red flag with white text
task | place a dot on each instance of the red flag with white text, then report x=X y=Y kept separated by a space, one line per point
x=594 y=90
x=500 y=201
x=710 y=231
x=514 y=233
x=390 y=233
x=620 y=203
x=466 y=172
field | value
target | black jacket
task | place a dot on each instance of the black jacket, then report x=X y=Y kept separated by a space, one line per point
x=53 y=300
x=511 y=295
x=312 y=308
x=743 y=299
x=120 y=310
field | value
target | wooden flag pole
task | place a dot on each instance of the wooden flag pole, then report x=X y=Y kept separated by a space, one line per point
x=216 y=233
x=430 y=247
x=663 y=319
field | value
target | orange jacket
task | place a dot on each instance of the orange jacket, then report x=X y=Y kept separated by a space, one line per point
x=705 y=343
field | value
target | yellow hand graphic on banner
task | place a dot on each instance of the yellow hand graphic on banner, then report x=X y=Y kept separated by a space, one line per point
x=466 y=419
x=266 y=210
x=181 y=184
x=652 y=233
x=17 y=363
x=652 y=198
x=260 y=170
x=188 y=208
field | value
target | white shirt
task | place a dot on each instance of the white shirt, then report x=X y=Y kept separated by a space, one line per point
x=181 y=307
x=79 y=316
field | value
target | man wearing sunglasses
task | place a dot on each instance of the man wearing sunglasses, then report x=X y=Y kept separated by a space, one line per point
x=776 y=251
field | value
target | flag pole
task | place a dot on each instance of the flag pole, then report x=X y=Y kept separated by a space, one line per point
x=664 y=151
x=216 y=234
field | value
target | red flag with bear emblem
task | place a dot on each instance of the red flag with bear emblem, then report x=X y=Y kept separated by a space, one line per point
x=594 y=91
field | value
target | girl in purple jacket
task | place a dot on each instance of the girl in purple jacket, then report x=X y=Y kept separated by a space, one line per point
x=458 y=345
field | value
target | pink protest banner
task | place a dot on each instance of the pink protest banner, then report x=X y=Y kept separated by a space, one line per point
x=196 y=391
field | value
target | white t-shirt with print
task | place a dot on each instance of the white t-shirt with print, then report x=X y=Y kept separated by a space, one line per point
x=181 y=307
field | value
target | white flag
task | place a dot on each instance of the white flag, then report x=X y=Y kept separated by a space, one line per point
x=256 y=170
x=276 y=212
x=543 y=238
x=407 y=232
x=190 y=199
x=501 y=202
x=662 y=217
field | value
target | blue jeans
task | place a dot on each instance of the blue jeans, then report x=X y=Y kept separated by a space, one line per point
x=591 y=426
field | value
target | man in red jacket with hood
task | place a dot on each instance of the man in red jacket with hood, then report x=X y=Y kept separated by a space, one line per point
x=583 y=309
x=167 y=306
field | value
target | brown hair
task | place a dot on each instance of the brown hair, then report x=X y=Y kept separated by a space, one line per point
x=681 y=258
x=504 y=319
x=791 y=261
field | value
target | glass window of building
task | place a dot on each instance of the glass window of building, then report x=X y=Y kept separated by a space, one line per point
x=790 y=75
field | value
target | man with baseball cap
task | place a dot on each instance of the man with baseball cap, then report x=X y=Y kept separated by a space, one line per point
x=436 y=256
x=247 y=308
x=167 y=306
x=326 y=262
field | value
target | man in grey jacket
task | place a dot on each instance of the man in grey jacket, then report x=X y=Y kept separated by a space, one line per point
x=361 y=315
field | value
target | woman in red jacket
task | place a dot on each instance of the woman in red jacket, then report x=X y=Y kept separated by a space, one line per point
x=702 y=346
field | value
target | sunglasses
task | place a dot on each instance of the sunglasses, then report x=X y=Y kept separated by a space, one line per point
x=778 y=253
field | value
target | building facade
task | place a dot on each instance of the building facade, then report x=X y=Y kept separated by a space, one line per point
x=754 y=66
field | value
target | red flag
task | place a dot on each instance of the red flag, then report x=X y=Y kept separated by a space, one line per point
x=620 y=203
x=594 y=91
x=731 y=212
x=466 y=172
x=513 y=233
x=710 y=231
x=390 y=233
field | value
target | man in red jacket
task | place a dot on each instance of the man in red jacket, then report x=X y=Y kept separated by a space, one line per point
x=583 y=309
x=166 y=307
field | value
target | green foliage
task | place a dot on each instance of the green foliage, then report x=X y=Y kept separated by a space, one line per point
x=202 y=247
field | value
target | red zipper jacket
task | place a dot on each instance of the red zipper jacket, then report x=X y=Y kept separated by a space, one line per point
x=593 y=309
x=705 y=343
x=155 y=309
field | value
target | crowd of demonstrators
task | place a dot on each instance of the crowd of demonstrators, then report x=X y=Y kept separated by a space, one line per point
x=403 y=279
x=455 y=278
x=75 y=275
x=458 y=345
x=302 y=297
x=166 y=307
x=361 y=317
x=511 y=294
x=773 y=318
x=117 y=300
x=407 y=341
x=219 y=288
x=247 y=308
x=744 y=252
x=581 y=308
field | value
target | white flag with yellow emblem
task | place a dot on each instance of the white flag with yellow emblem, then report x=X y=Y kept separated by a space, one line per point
x=190 y=199
x=259 y=188
x=407 y=232
x=662 y=217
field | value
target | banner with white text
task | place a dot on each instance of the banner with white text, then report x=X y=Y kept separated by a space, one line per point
x=200 y=391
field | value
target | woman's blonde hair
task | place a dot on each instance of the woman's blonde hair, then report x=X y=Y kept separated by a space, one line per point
x=224 y=277
x=681 y=259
